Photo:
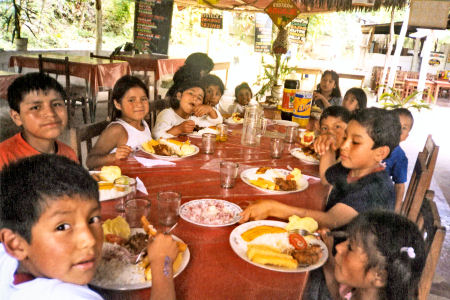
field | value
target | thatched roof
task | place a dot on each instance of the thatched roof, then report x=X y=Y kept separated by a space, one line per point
x=305 y=6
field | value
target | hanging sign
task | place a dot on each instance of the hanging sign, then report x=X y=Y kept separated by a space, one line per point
x=263 y=33
x=429 y=14
x=214 y=21
x=297 y=30
x=282 y=12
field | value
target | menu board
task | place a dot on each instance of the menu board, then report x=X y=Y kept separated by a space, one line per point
x=297 y=30
x=263 y=33
x=152 y=24
x=213 y=21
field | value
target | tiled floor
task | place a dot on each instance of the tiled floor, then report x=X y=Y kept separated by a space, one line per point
x=436 y=122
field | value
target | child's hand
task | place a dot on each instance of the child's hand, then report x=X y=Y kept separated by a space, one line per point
x=161 y=246
x=202 y=110
x=187 y=126
x=258 y=210
x=327 y=239
x=324 y=143
x=123 y=151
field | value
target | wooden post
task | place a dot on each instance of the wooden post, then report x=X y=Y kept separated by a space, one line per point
x=388 y=55
x=99 y=38
x=415 y=62
x=429 y=42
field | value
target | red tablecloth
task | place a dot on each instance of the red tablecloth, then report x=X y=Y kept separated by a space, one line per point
x=6 y=78
x=97 y=72
x=214 y=270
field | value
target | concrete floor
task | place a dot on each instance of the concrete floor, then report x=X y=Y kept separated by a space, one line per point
x=435 y=122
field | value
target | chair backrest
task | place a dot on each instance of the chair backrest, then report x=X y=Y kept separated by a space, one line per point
x=85 y=133
x=416 y=189
x=92 y=55
x=431 y=152
x=55 y=66
x=429 y=223
x=155 y=108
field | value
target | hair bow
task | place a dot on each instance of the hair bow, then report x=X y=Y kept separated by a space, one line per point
x=410 y=251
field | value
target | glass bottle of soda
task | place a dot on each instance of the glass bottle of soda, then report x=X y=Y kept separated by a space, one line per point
x=287 y=106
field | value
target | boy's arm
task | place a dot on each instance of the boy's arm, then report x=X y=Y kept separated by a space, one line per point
x=328 y=267
x=399 y=193
x=325 y=146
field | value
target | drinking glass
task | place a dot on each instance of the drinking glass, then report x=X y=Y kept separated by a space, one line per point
x=125 y=186
x=135 y=209
x=289 y=137
x=276 y=147
x=168 y=207
x=228 y=174
x=222 y=134
x=208 y=143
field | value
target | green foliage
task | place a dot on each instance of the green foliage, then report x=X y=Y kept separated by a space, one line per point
x=15 y=14
x=393 y=99
x=117 y=13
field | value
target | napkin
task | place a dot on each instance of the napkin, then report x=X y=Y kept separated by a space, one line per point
x=140 y=186
x=153 y=162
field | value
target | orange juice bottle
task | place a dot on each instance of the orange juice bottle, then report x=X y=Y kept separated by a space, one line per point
x=302 y=108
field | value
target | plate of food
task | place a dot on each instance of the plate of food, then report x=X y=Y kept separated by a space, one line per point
x=306 y=155
x=236 y=118
x=107 y=189
x=210 y=212
x=275 y=181
x=117 y=270
x=169 y=149
x=269 y=245
x=286 y=123
x=198 y=131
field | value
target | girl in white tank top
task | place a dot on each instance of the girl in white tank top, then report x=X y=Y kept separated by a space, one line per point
x=128 y=129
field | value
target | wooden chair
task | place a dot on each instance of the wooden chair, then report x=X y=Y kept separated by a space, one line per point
x=73 y=94
x=103 y=88
x=431 y=152
x=416 y=189
x=85 y=133
x=429 y=223
x=155 y=108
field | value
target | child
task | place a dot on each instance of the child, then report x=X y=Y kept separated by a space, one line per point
x=328 y=92
x=187 y=110
x=214 y=89
x=355 y=99
x=359 y=182
x=382 y=258
x=51 y=234
x=397 y=162
x=36 y=103
x=243 y=94
x=333 y=123
x=128 y=128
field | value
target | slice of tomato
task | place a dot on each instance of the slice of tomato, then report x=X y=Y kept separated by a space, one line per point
x=297 y=241
x=115 y=239
x=308 y=138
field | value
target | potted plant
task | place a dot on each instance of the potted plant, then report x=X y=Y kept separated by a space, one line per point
x=274 y=74
x=16 y=13
x=394 y=99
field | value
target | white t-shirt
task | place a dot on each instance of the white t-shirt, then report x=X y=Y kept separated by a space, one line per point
x=135 y=137
x=236 y=107
x=38 y=288
x=168 y=118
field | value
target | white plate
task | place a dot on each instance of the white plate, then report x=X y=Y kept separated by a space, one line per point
x=286 y=123
x=198 y=134
x=105 y=195
x=298 y=153
x=233 y=122
x=228 y=206
x=172 y=157
x=250 y=174
x=239 y=246
x=146 y=284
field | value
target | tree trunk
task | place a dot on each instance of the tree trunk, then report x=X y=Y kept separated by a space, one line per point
x=98 y=42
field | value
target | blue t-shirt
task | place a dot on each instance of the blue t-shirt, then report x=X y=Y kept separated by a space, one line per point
x=373 y=191
x=397 y=165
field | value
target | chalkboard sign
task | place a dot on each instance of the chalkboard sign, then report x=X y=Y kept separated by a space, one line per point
x=213 y=21
x=297 y=30
x=152 y=24
x=263 y=33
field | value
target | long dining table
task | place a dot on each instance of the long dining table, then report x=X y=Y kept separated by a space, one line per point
x=214 y=270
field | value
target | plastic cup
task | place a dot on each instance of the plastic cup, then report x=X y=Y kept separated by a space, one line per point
x=228 y=174
x=135 y=209
x=289 y=136
x=126 y=186
x=168 y=207
x=208 y=143
x=276 y=147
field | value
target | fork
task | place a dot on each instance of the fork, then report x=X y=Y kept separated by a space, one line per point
x=144 y=251
x=304 y=232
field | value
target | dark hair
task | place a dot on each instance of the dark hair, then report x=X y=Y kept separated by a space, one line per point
x=383 y=234
x=337 y=112
x=31 y=82
x=382 y=126
x=243 y=85
x=404 y=112
x=336 y=92
x=191 y=70
x=121 y=87
x=210 y=79
x=28 y=185
x=360 y=96
x=200 y=62
x=174 y=101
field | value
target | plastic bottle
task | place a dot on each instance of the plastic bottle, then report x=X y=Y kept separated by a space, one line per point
x=302 y=108
x=289 y=91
